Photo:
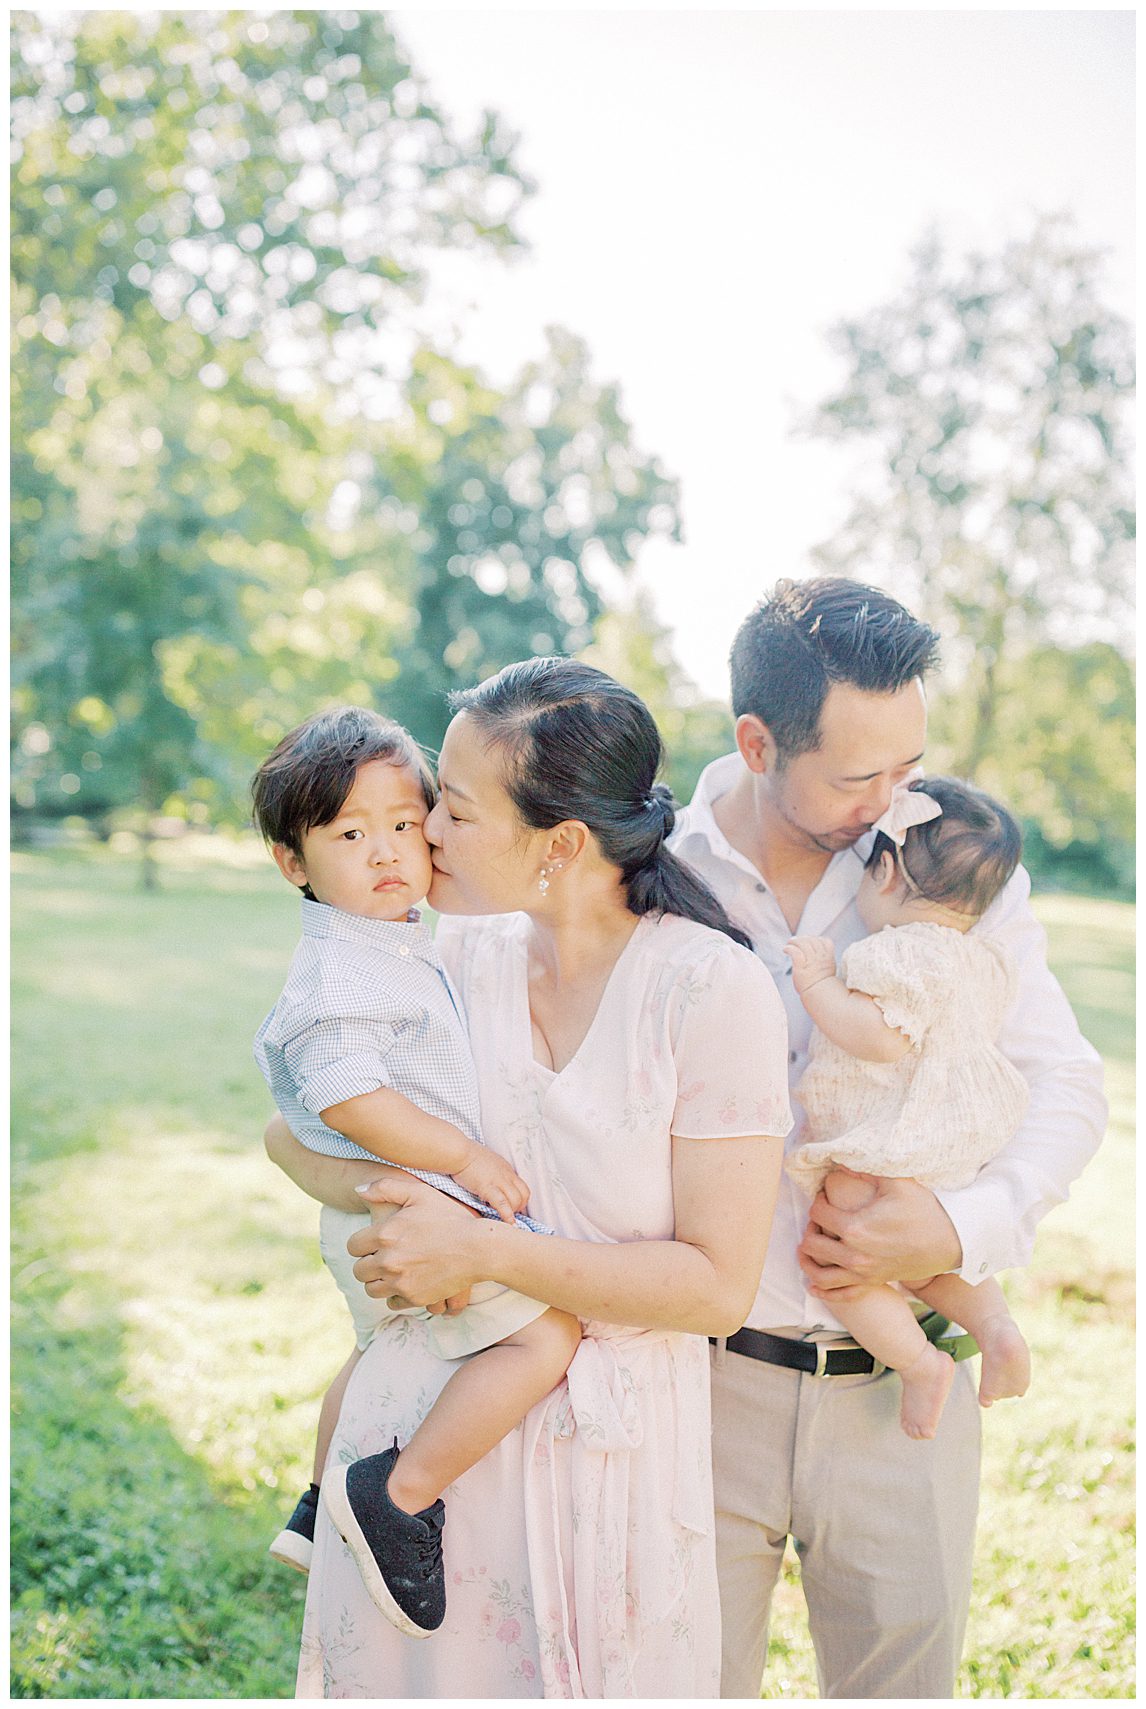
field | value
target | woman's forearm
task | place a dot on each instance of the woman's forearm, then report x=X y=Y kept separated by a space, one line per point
x=330 y=1180
x=703 y=1281
x=651 y=1284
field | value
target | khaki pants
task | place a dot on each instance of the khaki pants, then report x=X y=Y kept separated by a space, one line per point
x=884 y=1526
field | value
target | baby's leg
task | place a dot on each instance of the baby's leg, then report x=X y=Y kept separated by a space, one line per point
x=328 y=1416
x=479 y=1405
x=881 y=1320
x=984 y=1311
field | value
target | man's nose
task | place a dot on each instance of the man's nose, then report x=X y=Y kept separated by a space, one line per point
x=879 y=800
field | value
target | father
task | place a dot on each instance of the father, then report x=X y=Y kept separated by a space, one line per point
x=830 y=714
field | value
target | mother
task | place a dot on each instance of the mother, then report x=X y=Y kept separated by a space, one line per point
x=618 y=1031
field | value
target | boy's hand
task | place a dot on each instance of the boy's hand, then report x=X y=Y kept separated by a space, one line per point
x=491 y=1178
x=813 y=959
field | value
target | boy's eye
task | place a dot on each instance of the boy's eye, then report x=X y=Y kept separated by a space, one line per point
x=350 y=835
x=406 y=825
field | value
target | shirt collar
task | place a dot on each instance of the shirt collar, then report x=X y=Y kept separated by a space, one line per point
x=408 y=937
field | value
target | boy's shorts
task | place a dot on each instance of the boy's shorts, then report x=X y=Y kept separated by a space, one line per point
x=493 y=1313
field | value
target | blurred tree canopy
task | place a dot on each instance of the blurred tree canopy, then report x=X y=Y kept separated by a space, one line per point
x=991 y=400
x=249 y=475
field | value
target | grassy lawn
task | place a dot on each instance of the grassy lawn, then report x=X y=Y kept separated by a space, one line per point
x=173 y=1329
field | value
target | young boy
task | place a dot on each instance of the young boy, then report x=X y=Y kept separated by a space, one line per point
x=367 y=1056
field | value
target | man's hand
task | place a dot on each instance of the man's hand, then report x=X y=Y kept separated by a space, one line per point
x=419 y=1256
x=903 y=1233
x=813 y=959
x=491 y=1178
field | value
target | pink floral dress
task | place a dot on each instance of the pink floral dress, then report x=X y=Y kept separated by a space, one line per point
x=579 y=1554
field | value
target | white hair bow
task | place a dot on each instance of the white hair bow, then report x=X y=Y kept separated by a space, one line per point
x=908 y=807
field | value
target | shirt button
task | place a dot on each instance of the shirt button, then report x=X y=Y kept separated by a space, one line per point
x=982 y=1269
x=761 y=888
x=791 y=1056
x=403 y=949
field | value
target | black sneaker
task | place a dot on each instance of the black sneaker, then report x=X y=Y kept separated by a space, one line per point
x=398 y=1554
x=294 y=1544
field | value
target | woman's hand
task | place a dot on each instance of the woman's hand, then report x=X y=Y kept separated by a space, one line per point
x=421 y=1255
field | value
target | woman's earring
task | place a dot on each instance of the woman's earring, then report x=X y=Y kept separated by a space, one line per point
x=543 y=882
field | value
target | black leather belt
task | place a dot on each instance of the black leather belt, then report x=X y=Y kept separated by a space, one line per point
x=818 y=1360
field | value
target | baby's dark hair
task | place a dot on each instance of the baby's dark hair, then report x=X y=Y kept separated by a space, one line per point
x=305 y=781
x=963 y=858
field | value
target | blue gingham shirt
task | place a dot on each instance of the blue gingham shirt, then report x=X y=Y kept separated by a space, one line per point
x=366 y=1004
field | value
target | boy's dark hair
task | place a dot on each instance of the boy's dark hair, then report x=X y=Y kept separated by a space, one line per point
x=790 y=650
x=963 y=858
x=576 y=744
x=305 y=781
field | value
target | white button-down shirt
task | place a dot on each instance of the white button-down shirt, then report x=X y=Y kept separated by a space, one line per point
x=996 y=1216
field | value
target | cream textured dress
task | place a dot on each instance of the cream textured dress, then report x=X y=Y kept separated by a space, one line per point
x=949 y=1104
x=579 y=1554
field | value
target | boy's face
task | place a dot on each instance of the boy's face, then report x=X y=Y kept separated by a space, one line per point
x=372 y=859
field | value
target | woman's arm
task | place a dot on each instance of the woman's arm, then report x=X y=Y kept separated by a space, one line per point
x=330 y=1180
x=703 y=1281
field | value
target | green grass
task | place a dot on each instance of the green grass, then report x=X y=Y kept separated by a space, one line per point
x=173 y=1329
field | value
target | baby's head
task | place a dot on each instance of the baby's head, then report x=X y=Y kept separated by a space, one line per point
x=950 y=869
x=342 y=801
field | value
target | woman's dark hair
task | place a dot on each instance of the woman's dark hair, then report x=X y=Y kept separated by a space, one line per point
x=305 y=781
x=576 y=744
x=963 y=858
x=808 y=635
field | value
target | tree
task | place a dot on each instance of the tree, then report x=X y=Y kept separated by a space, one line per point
x=249 y=476
x=991 y=397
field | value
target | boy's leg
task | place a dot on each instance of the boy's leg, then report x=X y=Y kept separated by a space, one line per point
x=481 y=1403
x=328 y=1415
x=983 y=1310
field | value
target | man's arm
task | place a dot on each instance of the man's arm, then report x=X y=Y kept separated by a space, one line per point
x=989 y=1225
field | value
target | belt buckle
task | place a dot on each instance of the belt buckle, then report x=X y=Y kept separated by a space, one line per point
x=821 y=1370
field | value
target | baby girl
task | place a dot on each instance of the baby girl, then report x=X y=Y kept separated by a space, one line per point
x=905 y=1077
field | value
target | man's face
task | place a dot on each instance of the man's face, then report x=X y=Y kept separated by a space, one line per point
x=829 y=797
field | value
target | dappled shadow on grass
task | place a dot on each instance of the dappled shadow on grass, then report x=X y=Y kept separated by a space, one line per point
x=132 y=1576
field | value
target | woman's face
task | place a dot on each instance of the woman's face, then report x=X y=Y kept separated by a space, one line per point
x=485 y=860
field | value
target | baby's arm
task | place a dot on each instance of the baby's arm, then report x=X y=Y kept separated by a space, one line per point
x=851 y=1019
x=393 y=1128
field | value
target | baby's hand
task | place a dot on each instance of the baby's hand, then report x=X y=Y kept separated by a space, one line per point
x=491 y=1178
x=813 y=959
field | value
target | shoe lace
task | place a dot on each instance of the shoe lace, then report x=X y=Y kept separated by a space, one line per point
x=428 y=1550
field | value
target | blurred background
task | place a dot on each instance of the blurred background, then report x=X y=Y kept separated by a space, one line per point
x=358 y=353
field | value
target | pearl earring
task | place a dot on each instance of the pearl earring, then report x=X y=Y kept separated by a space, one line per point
x=543 y=882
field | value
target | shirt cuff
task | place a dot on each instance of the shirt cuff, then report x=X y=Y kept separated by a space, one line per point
x=984 y=1219
x=351 y=1077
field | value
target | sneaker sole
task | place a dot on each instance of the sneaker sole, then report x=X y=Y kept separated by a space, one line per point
x=292 y=1550
x=337 y=1504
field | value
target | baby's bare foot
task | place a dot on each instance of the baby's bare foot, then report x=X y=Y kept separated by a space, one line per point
x=926 y=1385
x=1006 y=1359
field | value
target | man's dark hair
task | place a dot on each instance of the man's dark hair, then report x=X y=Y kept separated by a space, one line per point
x=791 y=649
x=963 y=858
x=305 y=781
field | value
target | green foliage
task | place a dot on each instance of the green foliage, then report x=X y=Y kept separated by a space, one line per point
x=172 y=1330
x=249 y=480
x=990 y=400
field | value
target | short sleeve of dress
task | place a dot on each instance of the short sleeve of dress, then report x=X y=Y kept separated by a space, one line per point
x=730 y=1047
x=908 y=970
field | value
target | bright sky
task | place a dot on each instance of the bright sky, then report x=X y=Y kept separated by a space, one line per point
x=716 y=188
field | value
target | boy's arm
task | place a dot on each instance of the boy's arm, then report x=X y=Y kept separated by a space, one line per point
x=393 y=1128
x=851 y=1019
